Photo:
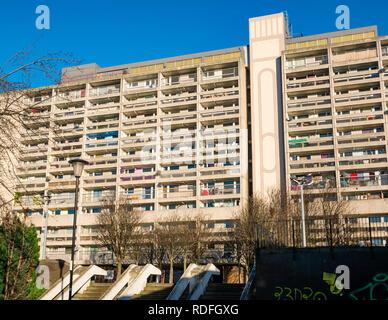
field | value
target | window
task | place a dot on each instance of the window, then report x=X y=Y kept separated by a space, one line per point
x=375 y=219
x=377 y=242
x=229 y=225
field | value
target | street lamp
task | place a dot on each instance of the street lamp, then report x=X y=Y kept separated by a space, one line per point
x=78 y=166
x=46 y=198
x=303 y=183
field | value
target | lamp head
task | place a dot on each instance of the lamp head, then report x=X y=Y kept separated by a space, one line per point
x=78 y=166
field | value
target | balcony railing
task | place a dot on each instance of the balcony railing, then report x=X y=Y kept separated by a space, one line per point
x=220 y=74
x=358 y=98
x=219 y=191
x=359 y=119
x=102 y=144
x=306 y=62
x=179 y=100
x=181 y=79
x=365 y=181
x=103 y=91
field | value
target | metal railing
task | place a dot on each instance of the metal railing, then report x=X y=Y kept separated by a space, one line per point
x=323 y=232
x=365 y=181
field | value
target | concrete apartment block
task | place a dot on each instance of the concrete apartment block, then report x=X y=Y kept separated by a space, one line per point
x=173 y=134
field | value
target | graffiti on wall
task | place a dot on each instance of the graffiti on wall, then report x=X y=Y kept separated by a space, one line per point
x=375 y=290
x=296 y=294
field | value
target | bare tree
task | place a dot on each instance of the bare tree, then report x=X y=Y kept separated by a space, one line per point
x=328 y=218
x=263 y=221
x=169 y=234
x=194 y=238
x=17 y=110
x=117 y=224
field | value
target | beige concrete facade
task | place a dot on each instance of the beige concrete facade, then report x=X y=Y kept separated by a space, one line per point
x=335 y=103
x=266 y=41
x=171 y=134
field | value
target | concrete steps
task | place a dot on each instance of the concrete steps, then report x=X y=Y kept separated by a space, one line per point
x=93 y=292
x=223 y=291
x=154 y=291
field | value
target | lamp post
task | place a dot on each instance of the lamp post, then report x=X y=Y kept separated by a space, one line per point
x=78 y=166
x=301 y=183
x=47 y=198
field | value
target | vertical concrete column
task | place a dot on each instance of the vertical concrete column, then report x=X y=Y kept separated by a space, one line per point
x=243 y=135
x=267 y=41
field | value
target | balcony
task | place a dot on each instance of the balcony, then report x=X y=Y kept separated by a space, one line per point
x=62 y=201
x=137 y=159
x=212 y=174
x=174 y=80
x=97 y=146
x=96 y=127
x=360 y=121
x=38 y=100
x=318 y=183
x=141 y=84
x=366 y=182
x=352 y=78
x=368 y=139
x=139 y=194
x=310 y=125
x=103 y=109
x=178 y=174
x=70 y=114
x=360 y=98
x=299 y=167
x=299 y=64
x=217 y=96
x=133 y=142
x=140 y=106
x=309 y=104
x=179 y=99
x=211 y=192
x=91 y=198
x=188 y=118
x=311 y=84
x=32 y=185
x=137 y=123
x=177 y=192
x=218 y=74
x=105 y=90
x=220 y=115
x=31 y=135
x=69 y=96
x=344 y=57
x=136 y=178
x=97 y=181
x=73 y=147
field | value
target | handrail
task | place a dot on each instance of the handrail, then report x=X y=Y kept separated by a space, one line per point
x=247 y=292
x=83 y=280
x=58 y=286
x=184 y=281
x=139 y=281
x=209 y=270
x=119 y=284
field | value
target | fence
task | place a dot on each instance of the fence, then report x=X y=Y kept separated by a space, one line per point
x=323 y=232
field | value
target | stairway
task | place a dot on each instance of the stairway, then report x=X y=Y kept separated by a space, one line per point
x=223 y=291
x=154 y=291
x=93 y=292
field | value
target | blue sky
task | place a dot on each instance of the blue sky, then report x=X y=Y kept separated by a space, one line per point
x=113 y=32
